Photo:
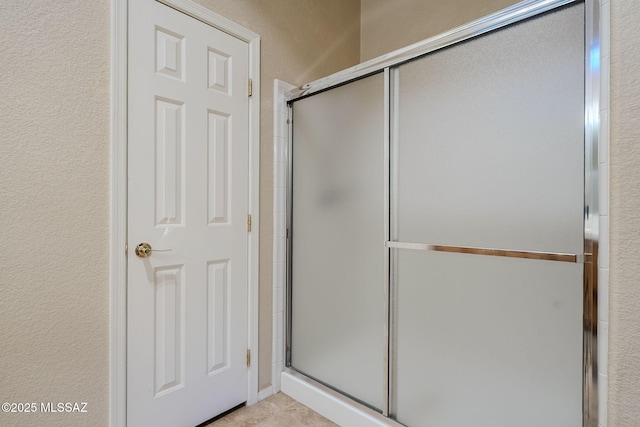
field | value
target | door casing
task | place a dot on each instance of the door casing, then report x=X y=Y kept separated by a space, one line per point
x=118 y=186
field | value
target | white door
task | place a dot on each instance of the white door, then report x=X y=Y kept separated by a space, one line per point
x=188 y=192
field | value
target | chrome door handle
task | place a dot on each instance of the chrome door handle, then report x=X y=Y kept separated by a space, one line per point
x=144 y=250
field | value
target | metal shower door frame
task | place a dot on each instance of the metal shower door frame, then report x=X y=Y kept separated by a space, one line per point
x=589 y=258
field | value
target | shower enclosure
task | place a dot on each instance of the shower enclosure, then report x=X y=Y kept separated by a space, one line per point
x=441 y=237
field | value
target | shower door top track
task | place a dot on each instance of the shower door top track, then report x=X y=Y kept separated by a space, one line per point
x=510 y=15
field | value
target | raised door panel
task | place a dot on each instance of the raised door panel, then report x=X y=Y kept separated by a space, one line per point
x=218 y=316
x=169 y=162
x=169 y=323
x=219 y=168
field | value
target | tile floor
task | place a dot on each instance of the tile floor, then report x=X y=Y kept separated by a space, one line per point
x=278 y=410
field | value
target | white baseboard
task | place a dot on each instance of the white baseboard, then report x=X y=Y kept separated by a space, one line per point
x=264 y=393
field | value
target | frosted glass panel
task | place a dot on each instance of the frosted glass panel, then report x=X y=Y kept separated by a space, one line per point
x=490 y=136
x=338 y=238
x=488 y=153
x=488 y=341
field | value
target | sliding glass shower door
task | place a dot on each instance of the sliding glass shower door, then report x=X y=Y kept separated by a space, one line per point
x=437 y=231
x=337 y=255
x=487 y=221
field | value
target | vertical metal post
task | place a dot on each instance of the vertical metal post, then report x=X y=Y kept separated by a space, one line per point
x=387 y=206
x=591 y=213
x=392 y=235
x=289 y=237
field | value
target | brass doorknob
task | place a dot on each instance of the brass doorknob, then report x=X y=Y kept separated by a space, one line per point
x=144 y=250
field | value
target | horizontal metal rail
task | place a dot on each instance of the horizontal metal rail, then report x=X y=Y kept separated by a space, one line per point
x=545 y=256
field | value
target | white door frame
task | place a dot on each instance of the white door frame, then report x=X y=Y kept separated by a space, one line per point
x=118 y=197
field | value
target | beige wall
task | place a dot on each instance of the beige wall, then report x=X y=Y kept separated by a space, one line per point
x=54 y=205
x=54 y=183
x=389 y=25
x=624 y=307
x=301 y=40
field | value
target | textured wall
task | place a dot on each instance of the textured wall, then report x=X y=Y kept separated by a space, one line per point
x=302 y=40
x=624 y=311
x=54 y=189
x=389 y=25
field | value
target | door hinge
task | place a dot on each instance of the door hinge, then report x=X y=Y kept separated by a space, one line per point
x=250 y=87
x=126 y=249
x=248 y=357
x=248 y=222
